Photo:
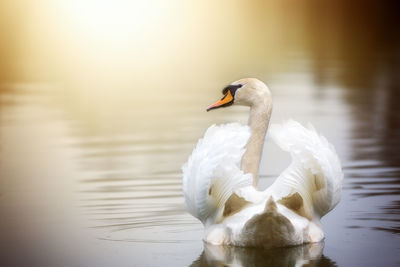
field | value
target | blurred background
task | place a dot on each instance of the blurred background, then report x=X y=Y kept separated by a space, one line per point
x=101 y=103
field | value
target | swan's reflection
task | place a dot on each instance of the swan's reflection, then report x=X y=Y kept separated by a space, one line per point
x=304 y=255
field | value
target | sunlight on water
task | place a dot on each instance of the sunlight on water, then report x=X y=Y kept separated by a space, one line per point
x=101 y=103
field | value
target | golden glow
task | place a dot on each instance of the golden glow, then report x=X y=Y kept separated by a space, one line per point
x=96 y=51
x=114 y=19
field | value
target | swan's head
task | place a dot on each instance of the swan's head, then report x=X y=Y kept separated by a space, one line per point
x=245 y=92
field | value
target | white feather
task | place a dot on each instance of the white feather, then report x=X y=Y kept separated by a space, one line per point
x=213 y=172
x=315 y=172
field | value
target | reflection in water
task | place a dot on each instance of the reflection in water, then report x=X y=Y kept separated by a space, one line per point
x=304 y=255
x=361 y=52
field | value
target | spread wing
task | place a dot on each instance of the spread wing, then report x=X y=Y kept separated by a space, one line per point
x=213 y=172
x=315 y=173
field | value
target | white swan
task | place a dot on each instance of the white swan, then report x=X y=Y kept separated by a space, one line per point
x=221 y=176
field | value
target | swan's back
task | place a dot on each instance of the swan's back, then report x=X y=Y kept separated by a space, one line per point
x=212 y=172
x=286 y=213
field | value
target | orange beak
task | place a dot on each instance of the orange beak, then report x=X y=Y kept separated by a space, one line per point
x=224 y=101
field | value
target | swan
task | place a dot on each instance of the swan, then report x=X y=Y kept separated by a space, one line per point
x=220 y=178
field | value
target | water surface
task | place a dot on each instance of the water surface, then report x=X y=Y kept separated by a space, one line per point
x=91 y=143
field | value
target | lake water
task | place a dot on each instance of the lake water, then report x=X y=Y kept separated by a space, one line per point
x=90 y=165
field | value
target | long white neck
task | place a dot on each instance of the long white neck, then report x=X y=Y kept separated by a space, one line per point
x=260 y=114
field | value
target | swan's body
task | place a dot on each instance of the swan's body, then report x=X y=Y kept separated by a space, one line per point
x=221 y=176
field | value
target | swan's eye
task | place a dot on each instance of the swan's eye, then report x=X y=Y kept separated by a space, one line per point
x=231 y=88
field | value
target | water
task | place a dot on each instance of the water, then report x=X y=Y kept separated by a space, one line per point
x=90 y=153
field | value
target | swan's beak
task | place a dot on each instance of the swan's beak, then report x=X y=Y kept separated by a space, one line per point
x=226 y=100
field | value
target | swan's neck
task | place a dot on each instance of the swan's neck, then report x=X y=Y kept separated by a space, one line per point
x=260 y=114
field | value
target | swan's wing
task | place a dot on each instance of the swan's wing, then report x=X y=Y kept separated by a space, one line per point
x=213 y=172
x=312 y=183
